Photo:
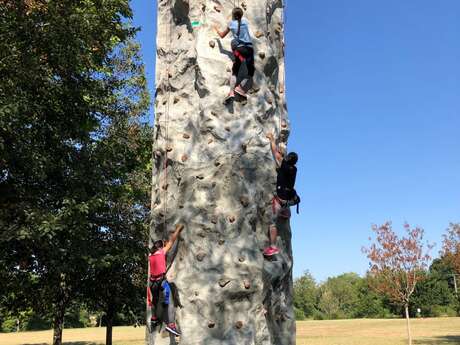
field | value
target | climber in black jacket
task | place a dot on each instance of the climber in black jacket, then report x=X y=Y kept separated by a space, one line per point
x=285 y=195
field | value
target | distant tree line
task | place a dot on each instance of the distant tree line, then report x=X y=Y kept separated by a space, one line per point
x=352 y=296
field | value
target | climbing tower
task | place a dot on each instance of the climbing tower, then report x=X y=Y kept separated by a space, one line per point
x=213 y=171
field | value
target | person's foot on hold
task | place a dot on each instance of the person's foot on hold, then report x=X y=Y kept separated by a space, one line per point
x=270 y=251
x=240 y=91
x=154 y=321
x=230 y=97
x=171 y=328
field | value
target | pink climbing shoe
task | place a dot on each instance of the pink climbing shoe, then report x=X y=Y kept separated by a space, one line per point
x=171 y=328
x=270 y=251
x=230 y=97
x=240 y=91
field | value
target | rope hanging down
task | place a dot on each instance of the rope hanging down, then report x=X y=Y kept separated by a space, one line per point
x=282 y=85
x=166 y=127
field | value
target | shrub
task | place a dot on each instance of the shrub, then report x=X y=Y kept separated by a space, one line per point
x=299 y=314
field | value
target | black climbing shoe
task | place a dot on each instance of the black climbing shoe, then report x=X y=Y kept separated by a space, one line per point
x=154 y=322
x=230 y=98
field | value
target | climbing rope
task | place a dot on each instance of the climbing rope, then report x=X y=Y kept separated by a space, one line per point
x=282 y=81
x=166 y=126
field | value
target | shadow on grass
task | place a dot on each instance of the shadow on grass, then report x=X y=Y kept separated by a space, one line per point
x=67 y=343
x=447 y=339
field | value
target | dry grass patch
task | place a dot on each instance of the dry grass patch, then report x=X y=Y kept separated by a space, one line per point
x=440 y=331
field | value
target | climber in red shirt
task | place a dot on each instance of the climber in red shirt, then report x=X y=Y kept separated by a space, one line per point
x=159 y=287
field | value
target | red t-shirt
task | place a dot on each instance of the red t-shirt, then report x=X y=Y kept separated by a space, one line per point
x=157 y=262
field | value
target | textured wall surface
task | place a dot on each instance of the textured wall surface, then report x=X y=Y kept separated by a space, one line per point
x=220 y=175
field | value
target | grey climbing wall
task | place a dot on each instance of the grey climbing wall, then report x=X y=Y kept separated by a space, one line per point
x=213 y=171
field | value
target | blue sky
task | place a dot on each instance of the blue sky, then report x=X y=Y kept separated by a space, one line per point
x=374 y=100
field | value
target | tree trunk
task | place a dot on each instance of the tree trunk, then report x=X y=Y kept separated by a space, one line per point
x=409 y=336
x=214 y=172
x=108 y=332
x=58 y=323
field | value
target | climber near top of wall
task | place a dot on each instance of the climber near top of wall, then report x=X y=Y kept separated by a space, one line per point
x=159 y=287
x=243 y=53
x=285 y=195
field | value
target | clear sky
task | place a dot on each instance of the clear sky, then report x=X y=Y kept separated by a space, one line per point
x=374 y=100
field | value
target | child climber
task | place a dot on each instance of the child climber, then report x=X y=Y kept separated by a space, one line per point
x=285 y=195
x=160 y=289
x=243 y=53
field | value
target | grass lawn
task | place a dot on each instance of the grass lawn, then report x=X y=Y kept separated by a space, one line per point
x=440 y=331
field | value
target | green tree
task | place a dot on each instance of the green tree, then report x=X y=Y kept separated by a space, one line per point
x=370 y=304
x=339 y=296
x=435 y=294
x=305 y=295
x=61 y=93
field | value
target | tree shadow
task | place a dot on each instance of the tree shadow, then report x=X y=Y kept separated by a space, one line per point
x=68 y=343
x=446 y=339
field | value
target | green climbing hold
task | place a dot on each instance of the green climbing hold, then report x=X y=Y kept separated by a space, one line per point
x=195 y=24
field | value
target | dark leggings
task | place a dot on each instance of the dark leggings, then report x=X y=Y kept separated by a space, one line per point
x=248 y=54
x=162 y=302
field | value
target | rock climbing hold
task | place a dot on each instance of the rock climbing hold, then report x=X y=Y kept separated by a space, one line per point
x=259 y=34
x=176 y=100
x=210 y=141
x=278 y=28
x=214 y=219
x=212 y=44
x=203 y=7
x=229 y=69
x=224 y=282
x=269 y=100
x=221 y=242
x=216 y=163
x=247 y=284
x=211 y=324
x=231 y=219
x=213 y=113
x=243 y=5
x=186 y=136
x=244 y=201
x=241 y=259
x=200 y=177
x=239 y=324
x=200 y=256
x=244 y=148
x=227 y=128
x=217 y=9
x=169 y=149
x=283 y=124
x=184 y=158
x=262 y=55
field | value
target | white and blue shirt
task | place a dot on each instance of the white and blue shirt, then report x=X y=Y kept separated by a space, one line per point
x=245 y=36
